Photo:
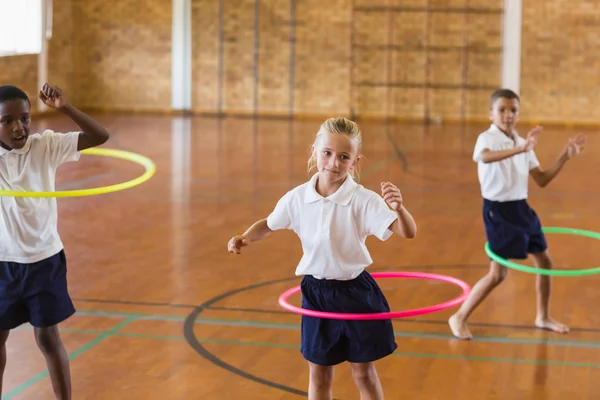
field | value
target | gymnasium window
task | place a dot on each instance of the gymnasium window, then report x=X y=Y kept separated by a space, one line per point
x=21 y=27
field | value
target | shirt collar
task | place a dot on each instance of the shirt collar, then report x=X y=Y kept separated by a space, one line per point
x=497 y=130
x=22 y=150
x=342 y=196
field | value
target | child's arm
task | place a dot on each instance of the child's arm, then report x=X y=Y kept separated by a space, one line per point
x=488 y=156
x=544 y=177
x=92 y=133
x=258 y=231
x=404 y=225
x=280 y=218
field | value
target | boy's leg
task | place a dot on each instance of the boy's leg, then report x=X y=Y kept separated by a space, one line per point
x=543 y=285
x=502 y=223
x=57 y=360
x=320 y=382
x=13 y=310
x=367 y=381
x=49 y=304
x=458 y=322
x=3 y=338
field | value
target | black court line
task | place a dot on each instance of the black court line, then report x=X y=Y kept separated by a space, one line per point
x=275 y=312
x=190 y=336
x=282 y=312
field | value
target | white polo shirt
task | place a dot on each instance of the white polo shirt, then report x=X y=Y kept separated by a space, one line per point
x=333 y=229
x=28 y=225
x=505 y=180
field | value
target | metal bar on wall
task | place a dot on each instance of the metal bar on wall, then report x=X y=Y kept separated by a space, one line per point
x=255 y=197
x=353 y=46
x=292 y=80
x=390 y=66
x=426 y=109
x=256 y=54
x=220 y=58
x=292 y=55
x=465 y=67
x=415 y=85
x=441 y=49
x=429 y=9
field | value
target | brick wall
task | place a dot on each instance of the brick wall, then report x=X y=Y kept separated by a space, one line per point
x=560 y=65
x=20 y=71
x=404 y=63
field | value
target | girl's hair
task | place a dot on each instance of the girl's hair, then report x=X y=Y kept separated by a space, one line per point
x=341 y=126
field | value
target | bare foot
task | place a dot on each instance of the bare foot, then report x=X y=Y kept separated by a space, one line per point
x=459 y=328
x=551 y=325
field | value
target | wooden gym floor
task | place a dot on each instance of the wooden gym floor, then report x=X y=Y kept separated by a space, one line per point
x=162 y=307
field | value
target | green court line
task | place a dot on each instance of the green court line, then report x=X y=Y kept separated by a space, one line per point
x=131 y=317
x=378 y=166
x=396 y=354
x=103 y=335
x=296 y=327
x=384 y=162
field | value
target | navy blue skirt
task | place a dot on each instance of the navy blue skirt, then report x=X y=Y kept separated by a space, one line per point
x=330 y=342
x=513 y=229
x=35 y=293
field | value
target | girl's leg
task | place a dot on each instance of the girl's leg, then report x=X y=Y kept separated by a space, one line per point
x=320 y=382
x=367 y=381
x=543 y=284
x=458 y=322
x=3 y=338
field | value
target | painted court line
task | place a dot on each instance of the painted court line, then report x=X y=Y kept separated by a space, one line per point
x=130 y=317
x=115 y=332
x=296 y=327
x=102 y=335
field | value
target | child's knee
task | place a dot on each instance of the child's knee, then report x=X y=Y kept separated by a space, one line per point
x=321 y=376
x=48 y=339
x=497 y=273
x=543 y=260
x=364 y=374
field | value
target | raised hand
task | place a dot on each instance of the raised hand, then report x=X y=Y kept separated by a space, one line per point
x=575 y=145
x=392 y=196
x=532 y=136
x=52 y=96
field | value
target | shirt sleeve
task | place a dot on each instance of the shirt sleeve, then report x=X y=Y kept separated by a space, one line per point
x=378 y=218
x=532 y=160
x=280 y=217
x=482 y=143
x=62 y=147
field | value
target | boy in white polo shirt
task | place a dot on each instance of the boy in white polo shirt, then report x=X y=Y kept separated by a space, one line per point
x=33 y=267
x=505 y=162
x=333 y=215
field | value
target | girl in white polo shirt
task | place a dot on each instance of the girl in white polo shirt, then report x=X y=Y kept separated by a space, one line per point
x=505 y=162
x=333 y=215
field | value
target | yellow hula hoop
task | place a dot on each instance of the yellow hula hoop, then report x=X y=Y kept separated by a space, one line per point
x=145 y=162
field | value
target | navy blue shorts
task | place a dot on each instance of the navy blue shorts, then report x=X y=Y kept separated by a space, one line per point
x=513 y=229
x=330 y=342
x=35 y=293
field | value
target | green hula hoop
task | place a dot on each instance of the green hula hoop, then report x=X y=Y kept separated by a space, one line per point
x=550 y=272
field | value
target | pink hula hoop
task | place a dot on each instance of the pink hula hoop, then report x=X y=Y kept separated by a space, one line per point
x=385 y=315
